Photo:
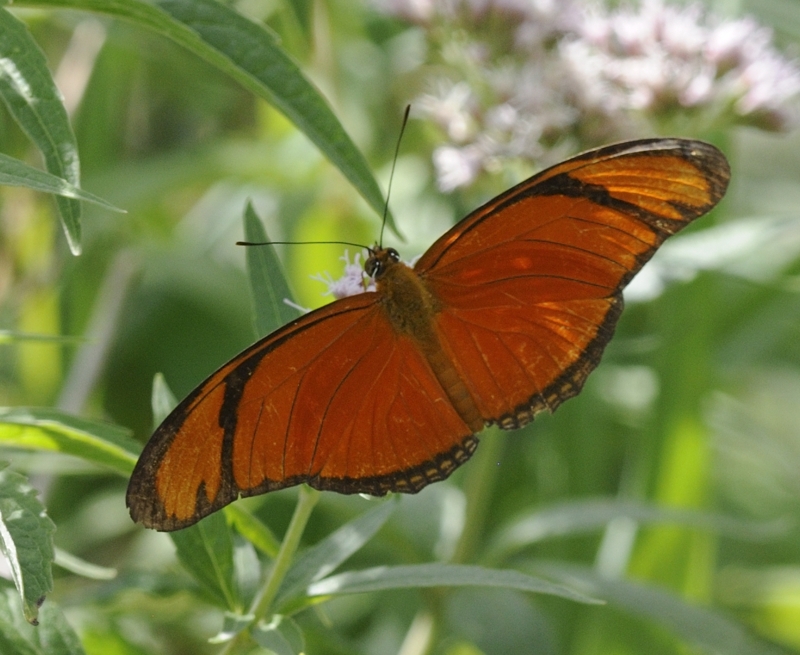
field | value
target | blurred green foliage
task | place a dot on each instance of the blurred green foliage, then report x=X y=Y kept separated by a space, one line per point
x=694 y=407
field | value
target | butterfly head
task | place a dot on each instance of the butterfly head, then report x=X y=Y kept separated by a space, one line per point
x=379 y=260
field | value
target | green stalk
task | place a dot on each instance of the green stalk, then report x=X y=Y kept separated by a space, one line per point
x=479 y=480
x=261 y=606
x=305 y=503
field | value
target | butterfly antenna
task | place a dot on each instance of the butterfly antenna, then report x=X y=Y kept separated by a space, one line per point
x=302 y=243
x=391 y=175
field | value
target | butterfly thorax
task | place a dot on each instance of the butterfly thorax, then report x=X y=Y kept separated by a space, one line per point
x=408 y=303
x=411 y=309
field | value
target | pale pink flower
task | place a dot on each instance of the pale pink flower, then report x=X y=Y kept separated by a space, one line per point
x=532 y=79
x=659 y=58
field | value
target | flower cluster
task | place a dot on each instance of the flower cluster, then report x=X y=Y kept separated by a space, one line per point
x=352 y=282
x=538 y=80
x=663 y=59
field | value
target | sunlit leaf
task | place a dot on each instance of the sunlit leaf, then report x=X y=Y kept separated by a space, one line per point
x=38 y=428
x=251 y=55
x=441 y=575
x=581 y=516
x=83 y=568
x=16 y=173
x=28 y=90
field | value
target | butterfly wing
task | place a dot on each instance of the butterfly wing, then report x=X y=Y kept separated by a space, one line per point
x=530 y=284
x=336 y=399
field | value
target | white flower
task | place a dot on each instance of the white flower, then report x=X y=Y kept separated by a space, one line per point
x=449 y=106
x=529 y=79
x=456 y=167
x=662 y=57
x=353 y=282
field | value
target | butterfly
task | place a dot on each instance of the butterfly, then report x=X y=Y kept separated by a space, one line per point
x=504 y=316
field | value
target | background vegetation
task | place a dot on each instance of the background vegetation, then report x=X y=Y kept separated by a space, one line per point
x=668 y=489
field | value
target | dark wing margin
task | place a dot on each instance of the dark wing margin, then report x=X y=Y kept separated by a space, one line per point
x=686 y=178
x=530 y=284
x=335 y=399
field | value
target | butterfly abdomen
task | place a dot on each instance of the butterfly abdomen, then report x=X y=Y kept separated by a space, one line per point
x=411 y=310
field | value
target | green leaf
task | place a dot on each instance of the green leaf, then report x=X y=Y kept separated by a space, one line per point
x=83 y=568
x=381 y=578
x=49 y=429
x=326 y=556
x=281 y=636
x=53 y=636
x=162 y=400
x=261 y=65
x=268 y=284
x=255 y=531
x=13 y=172
x=13 y=634
x=702 y=627
x=26 y=540
x=31 y=96
x=581 y=516
x=232 y=625
x=10 y=336
x=252 y=56
x=206 y=551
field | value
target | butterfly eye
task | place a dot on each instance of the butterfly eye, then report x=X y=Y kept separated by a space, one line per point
x=393 y=254
x=372 y=267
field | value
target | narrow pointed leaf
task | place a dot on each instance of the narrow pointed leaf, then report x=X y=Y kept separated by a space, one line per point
x=39 y=428
x=250 y=54
x=326 y=556
x=252 y=529
x=13 y=172
x=581 y=516
x=162 y=400
x=10 y=336
x=81 y=567
x=441 y=575
x=28 y=90
x=268 y=285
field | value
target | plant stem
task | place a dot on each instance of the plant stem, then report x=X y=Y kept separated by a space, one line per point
x=261 y=606
x=478 y=485
x=305 y=503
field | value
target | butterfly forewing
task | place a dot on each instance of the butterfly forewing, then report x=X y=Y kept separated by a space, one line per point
x=666 y=183
x=336 y=399
x=530 y=284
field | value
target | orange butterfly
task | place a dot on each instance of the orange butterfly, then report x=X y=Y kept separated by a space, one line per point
x=503 y=317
